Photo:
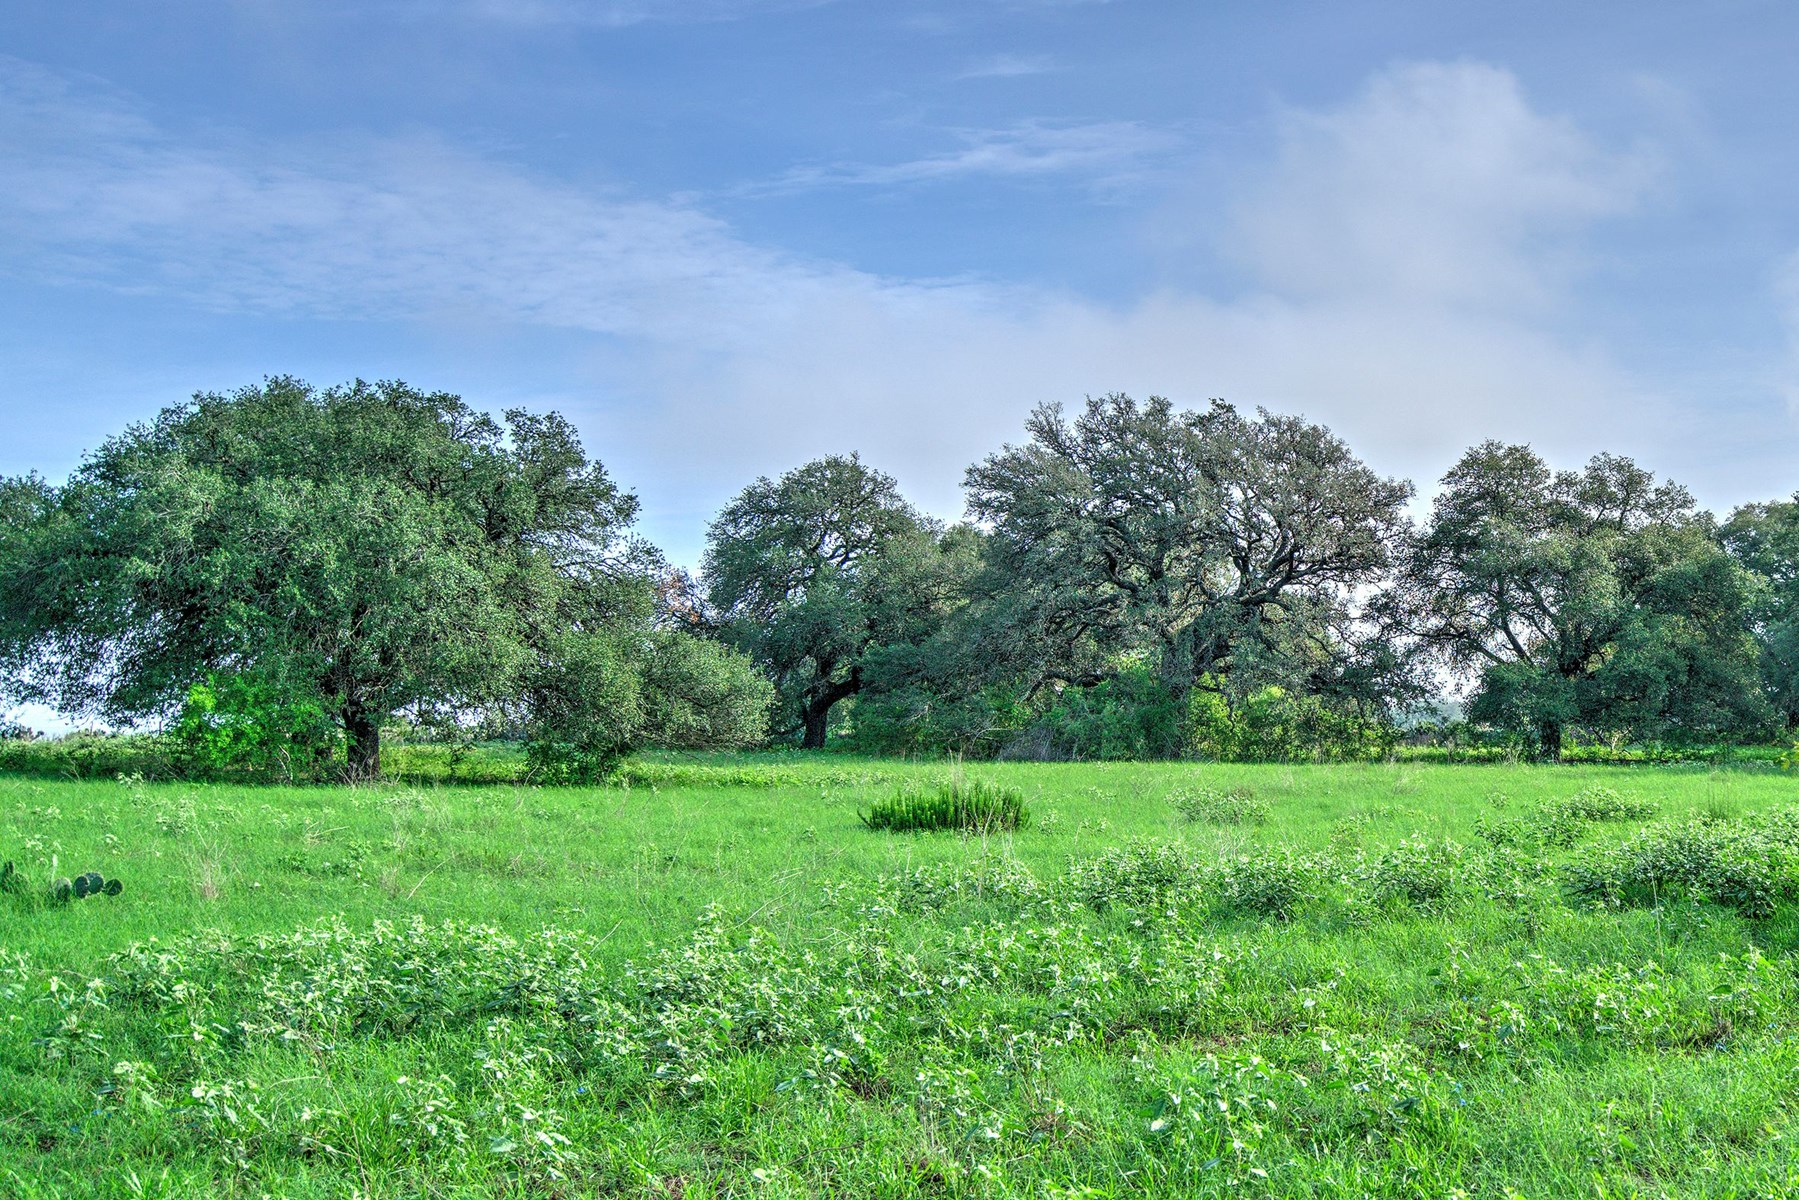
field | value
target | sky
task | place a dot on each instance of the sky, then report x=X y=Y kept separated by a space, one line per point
x=728 y=236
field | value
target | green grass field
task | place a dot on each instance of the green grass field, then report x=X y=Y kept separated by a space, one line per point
x=1175 y=981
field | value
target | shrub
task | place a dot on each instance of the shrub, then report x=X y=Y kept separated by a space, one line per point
x=1238 y=806
x=1422 y=874
x=250 y=724
x=1275 y=725
x=1139 y=874
x=1268 y=883
x=1562 y=823
x=1750 y=866
x=1604 y=804
x=1133 y=715
x=973 y=806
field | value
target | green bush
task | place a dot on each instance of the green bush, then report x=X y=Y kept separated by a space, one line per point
x=1275 y=725
x=1751 y=866
x=92 y=755
x=973 y=806
x=1133 y=715
x=249 y=725
x=1422 y=874
x=1267 y=883
x=1139 y=874
x=1562 y=823
x=600 y=695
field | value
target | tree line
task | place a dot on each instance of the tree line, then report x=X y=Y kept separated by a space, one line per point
x=279 y=572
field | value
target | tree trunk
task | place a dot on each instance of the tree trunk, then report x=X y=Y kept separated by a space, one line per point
x=364 y=730
x=1549 y=739
x=817 y=714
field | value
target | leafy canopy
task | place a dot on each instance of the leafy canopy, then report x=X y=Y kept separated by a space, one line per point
x=1598 y=597
x=810 y=572
x=372 y=548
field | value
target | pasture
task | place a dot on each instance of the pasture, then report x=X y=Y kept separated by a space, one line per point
x=1172 y=980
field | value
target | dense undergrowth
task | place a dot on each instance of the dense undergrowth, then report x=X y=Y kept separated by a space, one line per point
x=1341 y=982
x=158 y=757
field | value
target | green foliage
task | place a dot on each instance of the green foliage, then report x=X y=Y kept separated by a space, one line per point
x=1272 y=724
x=812 y=572
x=1131 y=715
x=1563 y=822
x=371 y=547
x=966 y=805
x=1237 y=806
x=1213 y=542
x=238 y=724
x=1764 y=540
x=598 y=696
x=1596 y=598
x=1751 y=866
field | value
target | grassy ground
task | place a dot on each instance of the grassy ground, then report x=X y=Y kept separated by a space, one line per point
x=1342 y=981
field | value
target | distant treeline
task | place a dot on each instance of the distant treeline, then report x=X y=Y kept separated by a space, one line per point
x=274 y=575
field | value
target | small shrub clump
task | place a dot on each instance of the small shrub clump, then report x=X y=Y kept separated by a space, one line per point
x=1750 y=866
x=1238 y=806
x=1558 y=824
x=971 y=806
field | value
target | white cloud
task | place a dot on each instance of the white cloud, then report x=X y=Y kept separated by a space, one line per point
x=1379 y=240
x=1438 y=183
x=1104 y=152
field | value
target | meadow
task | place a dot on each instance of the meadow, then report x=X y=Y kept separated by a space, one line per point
x=1171 y=980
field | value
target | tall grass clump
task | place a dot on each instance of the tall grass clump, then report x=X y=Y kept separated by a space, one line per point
x=972 y=806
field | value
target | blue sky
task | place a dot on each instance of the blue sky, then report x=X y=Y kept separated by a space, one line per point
x=726 y=236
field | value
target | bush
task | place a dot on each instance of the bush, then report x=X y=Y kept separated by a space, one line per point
x=1422 y=874
x=1139 y=874
x=1269 y=883
x=972 y=806
x=600 y=695
x=1131 y=716
x=1750 y=866
x=1275 y=725
x=91 y=755
x=1562 y=823
x=248 y=724
x=1238 y=806
x=1604 y=804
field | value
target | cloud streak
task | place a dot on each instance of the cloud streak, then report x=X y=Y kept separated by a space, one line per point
x=1101 y=154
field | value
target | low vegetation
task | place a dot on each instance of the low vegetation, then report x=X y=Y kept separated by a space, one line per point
x=967 y=805
x=1405 y=981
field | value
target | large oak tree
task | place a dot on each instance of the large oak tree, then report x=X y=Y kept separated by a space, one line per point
x=1229 y=547
x=810 y=572
x=1597 y=597
x=373 y=547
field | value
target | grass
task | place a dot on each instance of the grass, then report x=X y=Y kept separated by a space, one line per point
x=718 y=982
x=962 y=805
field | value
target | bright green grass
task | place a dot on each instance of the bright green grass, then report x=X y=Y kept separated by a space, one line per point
x=758 y=996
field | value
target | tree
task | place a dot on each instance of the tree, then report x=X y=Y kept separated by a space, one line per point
x=809 y=572
x=1764 y=538
x=373 y=548
x=1595 y=597
x=1227 y=547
